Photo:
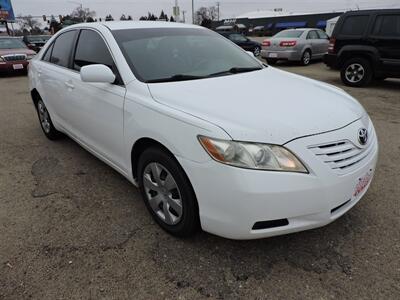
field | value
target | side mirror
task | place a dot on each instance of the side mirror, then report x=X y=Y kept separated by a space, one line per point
x=97 y=73
x=250 y=53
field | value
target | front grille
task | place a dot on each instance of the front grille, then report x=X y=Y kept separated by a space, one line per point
x=14 y=57
x=343 y=156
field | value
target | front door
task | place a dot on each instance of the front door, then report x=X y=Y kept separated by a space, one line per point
x=96 y=109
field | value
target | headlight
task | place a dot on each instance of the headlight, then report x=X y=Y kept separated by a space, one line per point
x=30 y=56
x=252 y=155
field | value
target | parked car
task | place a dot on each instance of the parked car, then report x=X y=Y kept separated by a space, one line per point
x=365 y=45
x=35 y=42
x=14 y=55
x=243 y=41
x=183 y=113
x=303 y=45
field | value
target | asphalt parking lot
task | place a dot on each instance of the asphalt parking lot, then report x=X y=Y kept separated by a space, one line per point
x=73 y=228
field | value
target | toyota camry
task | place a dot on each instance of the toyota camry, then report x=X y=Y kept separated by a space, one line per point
x=214 y=139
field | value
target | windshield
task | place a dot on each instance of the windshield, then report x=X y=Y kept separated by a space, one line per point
x=155 y=54
x=38 y=38
x=289 y=34
x=11 y=44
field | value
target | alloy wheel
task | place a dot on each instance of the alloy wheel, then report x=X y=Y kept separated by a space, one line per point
x=306 y=58
x=162 y=193
x=257 y=51
x=355 y=73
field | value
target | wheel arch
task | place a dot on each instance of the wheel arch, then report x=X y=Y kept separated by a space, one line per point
x=140 y=146
x=35 y=96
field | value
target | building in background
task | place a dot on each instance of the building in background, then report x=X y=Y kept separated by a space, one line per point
x=267 y=23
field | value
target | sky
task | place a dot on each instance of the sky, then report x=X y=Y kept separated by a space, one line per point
x=228 y=8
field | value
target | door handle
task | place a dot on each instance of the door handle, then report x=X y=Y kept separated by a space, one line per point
x=69 y=85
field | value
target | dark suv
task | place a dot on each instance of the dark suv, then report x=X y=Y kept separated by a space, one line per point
x=365 y=45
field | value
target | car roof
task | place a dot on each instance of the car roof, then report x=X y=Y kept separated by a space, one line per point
x=120 y=25
x=371 y=11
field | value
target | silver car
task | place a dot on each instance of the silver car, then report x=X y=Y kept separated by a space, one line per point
x=303 y=45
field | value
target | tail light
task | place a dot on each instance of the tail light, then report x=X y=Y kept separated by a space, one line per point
x=266 y=43
x=331 y=48
x=288 y=43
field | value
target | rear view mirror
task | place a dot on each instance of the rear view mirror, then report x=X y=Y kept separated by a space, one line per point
x=97 y=73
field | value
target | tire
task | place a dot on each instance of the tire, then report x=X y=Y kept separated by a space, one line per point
x=272 y=61
x=45 y=122
x=257 y=51
x=168 y=193
x=356 y=72
x=306 y=58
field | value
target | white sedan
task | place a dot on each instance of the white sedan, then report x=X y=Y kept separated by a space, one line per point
x=213 y=138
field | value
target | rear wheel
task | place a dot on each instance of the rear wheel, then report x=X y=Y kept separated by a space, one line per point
x=356 y=72
x=257 y=51
x=45 y=121
x=306 y=58
x=167 y=193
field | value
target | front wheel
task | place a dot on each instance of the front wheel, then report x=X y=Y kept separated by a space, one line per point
x=257 y=51
x=356 y=72
x=167 y=193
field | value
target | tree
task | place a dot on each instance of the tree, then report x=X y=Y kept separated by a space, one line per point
x=206 y=23
x=130 y=18
x=163 y=16
x=203 y=13
x=27 y=23
x=109 y=18
x=82 y=14
x=123 y=17
x=172 y=19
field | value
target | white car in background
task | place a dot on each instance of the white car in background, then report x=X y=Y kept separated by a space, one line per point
x=214 y=139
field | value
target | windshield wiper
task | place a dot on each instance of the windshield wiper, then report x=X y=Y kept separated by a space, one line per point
x=235 y=70
x=177 y=77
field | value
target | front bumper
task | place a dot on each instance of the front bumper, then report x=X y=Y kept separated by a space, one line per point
x=8 y=66
x=231 y=200
x=291 y=55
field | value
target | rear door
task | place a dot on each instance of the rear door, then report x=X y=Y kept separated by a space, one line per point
x=314 y=41
x=385 y=36
x=96 y=109
x=54 y=73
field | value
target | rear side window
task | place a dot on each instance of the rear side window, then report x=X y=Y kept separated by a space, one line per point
x=355 y=25
x=388 y=25
x=312 y=35
x=47 y=55
x=62 y=49
x=91 y=49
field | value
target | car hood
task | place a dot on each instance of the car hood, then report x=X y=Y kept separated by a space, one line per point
x=16 y=51
x=269 y=106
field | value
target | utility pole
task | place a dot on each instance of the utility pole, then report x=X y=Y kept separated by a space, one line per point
x=218 y=4
x=193 y=11
x=183 y=16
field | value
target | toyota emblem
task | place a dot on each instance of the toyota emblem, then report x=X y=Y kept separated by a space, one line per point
x=363 y=136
